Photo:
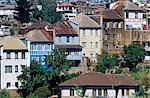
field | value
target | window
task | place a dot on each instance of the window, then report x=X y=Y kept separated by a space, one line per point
x=35 y=59
x=99 y=92
x=84 y=44
x=16 y=68
x=8 y=84
x=67 y=39
x=91 y=32
x=91 y=44
x=127 y=92
x=8 y=69
x=16 y=84
x=96 y=33
x=127 y=15
x=71 y=92
x=105 y=92
x=43 y=60
x=34 y=47
x=16 y=55
x=136 y=15
x=122 y=92
x=59 y=39
x=94 y=92
x=23 y=55
x=96 y=45
x=83 y=33
x=8 y=55
x=73 y=39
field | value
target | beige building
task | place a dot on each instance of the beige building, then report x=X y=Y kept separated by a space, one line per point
x=90 y=34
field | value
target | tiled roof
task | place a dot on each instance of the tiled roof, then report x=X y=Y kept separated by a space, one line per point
x=100 y=79
x=48 y=34
x=68 y=46
x=37 y=25
x=66 y=4
x=111 y=14
x=36 y=36
x=126 y=5
x=12 y=43
x=7 y=6
x=85 y=21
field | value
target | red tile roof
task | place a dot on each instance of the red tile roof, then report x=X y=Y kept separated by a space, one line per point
x=66 y=4
x=100 y=79
x=48 y=34
x=111 y=14
x=68 y=46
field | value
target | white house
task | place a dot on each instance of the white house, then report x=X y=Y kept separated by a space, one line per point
x=13 y=54
x=67 y=9
x=7 y=12
x=94 y=84
x=90 y=34
x=132 y=14
x=4 y=30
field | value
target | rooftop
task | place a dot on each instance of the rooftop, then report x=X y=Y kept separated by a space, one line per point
x=85 y=21
x=12 y=43
x=100 y=79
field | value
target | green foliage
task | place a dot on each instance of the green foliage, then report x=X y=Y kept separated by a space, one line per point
x=106 y=61
x=48 y=13
x=32 y=96
x=4 y=93
x=79 y=91
x=42 y=92
x=133 y=54
x=33 y=77
x=23 y=11
x=72 y=75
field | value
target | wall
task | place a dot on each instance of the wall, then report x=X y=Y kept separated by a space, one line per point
x=90 y=37
x=12 y=77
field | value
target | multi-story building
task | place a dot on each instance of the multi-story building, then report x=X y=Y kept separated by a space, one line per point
x=90 y=34
x=68 y=10
x=132 y=14
x=40 y=43
x=13 y=54
x=66 y=37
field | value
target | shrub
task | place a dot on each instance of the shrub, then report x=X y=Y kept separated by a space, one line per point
x=42 y=92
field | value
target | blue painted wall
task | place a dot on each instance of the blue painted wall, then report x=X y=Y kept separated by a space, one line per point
x=38 y=50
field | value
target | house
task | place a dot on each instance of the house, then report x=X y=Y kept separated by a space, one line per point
x=40 y=43
x=4 y=30
x=90 y=34
x=132 y=14
x=68 y=10
x=66 y=37
x=94 y=84
x=13 y=54
x=6 y=12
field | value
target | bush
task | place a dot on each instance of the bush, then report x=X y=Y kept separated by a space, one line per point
x=42 y=92
x=32 y=96
x=4 y=93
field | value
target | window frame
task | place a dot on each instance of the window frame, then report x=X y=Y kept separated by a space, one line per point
x=8 y=69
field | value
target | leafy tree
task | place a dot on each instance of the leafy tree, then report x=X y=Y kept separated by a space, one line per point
x=106 y=61
x=133 y=54
x=23 y=11
x=47 y=13
x=58 y=65
x=4 y=93
x=33 y=77
x=42 y=92
x=71 y=75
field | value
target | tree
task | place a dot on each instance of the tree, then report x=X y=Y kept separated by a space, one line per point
x=133 y=54
x=47 y=13
x=33 y=77
x=42 y=92
x=4 y=93
x=106 y=61
x=23 y=11
x=59 y=66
